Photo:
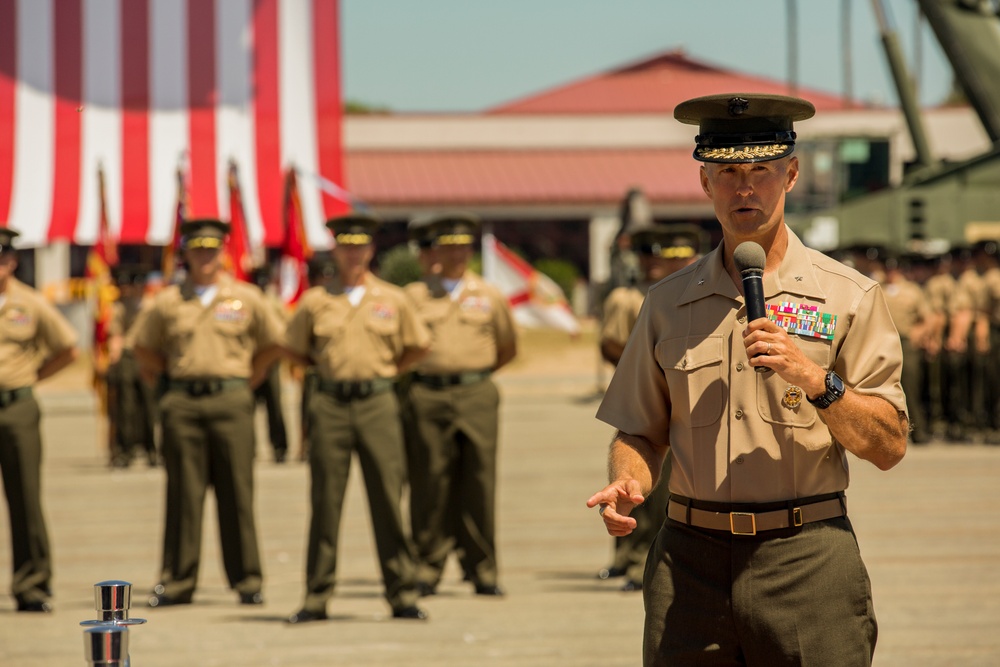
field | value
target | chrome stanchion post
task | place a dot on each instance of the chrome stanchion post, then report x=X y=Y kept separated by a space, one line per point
x=106 y=645
x=112 y=600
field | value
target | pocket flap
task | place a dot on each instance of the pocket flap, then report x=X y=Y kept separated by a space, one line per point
x=690 y=353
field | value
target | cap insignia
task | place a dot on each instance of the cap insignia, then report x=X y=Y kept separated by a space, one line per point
x=738 y=105
x=743 y=153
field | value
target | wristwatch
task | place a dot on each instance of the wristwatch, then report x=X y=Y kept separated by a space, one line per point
x=834 y=390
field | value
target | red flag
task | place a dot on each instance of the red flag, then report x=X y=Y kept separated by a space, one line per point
x=293 y=277
x=171 y=251
x=237 y=257
x=102 y=256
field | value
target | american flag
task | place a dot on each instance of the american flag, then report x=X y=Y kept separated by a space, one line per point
x=145 y=87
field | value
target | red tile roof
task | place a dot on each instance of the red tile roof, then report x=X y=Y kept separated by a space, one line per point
x=655 y=85
x=481 y=177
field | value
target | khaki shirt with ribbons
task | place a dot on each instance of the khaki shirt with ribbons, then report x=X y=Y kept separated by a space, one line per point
x=738 y=436
x=353 y=343
x=31 y=329
x=214 y=341
x=468 y=330
x=621 y=309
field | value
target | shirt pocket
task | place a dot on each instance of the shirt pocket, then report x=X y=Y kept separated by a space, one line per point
x=692 y=367
x=782 y=404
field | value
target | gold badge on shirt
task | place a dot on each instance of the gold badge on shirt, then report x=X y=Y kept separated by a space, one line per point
x=792 y=397
x=231 y=310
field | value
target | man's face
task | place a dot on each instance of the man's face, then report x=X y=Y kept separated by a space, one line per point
x=453 y=256
x=749 y=199
x=353 y=257
x=8 y=263
x=203 y=263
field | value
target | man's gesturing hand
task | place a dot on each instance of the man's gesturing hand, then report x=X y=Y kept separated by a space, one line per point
x=616 y=501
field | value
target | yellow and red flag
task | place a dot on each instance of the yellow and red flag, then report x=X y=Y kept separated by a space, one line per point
x=171 y=251
x=237 y=258
x=293 y=276
x=103 y=255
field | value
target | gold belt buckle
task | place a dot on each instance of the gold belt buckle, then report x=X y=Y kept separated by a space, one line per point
x=797 y=516
x=742 y=515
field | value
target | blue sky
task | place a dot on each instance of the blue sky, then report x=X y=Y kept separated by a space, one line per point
x=466 y=55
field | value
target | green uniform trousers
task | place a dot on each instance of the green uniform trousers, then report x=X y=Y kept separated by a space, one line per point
x=21 y=462
x=371 y=427
x=209 y=440
x=631 y=550
x=911 y=381
x=131 y=411
x=453 y=487
x=797 y=596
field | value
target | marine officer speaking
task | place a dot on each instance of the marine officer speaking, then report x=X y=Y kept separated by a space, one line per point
x=215 y=338
x=756 y=562
x=359 y=332
x=35 y=343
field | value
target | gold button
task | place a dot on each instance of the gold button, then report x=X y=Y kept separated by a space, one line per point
x=739 y=414
x=742 y=319
x=739 y=365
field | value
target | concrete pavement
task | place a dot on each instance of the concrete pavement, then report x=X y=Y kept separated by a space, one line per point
x=929 y=531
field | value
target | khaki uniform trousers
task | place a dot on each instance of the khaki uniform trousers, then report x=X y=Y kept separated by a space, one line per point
x=795 y=596
x=20 y=461
x=371 y=427
x=209 y=440
x=453 y=485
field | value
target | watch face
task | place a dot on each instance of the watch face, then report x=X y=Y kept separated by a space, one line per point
x=834 y=383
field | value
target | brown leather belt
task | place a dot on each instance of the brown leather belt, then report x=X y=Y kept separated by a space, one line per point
x=751 y=523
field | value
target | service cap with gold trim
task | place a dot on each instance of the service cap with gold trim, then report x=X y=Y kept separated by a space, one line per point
x=203 y=233
x=353 y=228
x=7 y=236
x=455 y=229
x=667 y=241
x=743 y=127
x=421 y=229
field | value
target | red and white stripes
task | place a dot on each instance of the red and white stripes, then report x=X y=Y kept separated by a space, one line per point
x=139 y=87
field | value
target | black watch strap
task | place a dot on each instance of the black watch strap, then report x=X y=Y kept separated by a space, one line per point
x=834 y=390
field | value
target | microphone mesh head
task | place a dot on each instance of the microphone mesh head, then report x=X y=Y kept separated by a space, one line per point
x=749 y=256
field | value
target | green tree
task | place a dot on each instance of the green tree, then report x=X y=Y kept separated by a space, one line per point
x=563 y=273
x=399 y=265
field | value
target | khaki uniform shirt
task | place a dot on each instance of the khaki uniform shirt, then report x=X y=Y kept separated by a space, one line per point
x=621 y=309
x=939 y=289
x=992 y=280
x=351 y=343
x=214 y=341
x=468 y=330
x=738 y=436
x=968 y=293
x=907 y=305
x=31 y=329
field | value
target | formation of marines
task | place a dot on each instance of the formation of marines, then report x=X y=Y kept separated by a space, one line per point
x=402 y=378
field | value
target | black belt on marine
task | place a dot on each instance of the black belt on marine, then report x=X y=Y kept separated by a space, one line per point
x=207 y=386
x=9 y=396
x=750 y=519
x=440 y=380
x=346 y=391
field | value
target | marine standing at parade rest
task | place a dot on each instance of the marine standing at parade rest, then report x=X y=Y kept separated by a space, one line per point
x=35 y=343
x=131 y=400
x=757 y=562
x=269 y=391
x=215 y=338
x=662 y=250
x=456 y=412
x=359 y=332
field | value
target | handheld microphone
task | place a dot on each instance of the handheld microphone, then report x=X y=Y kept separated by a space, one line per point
x=750 y=260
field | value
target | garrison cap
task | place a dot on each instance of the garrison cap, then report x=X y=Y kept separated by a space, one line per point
x=353 y=228
x=7 y=236
x=455 y=229
x=739 y=128
x=668 y=241
x=130 y=274
x=204 y=233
